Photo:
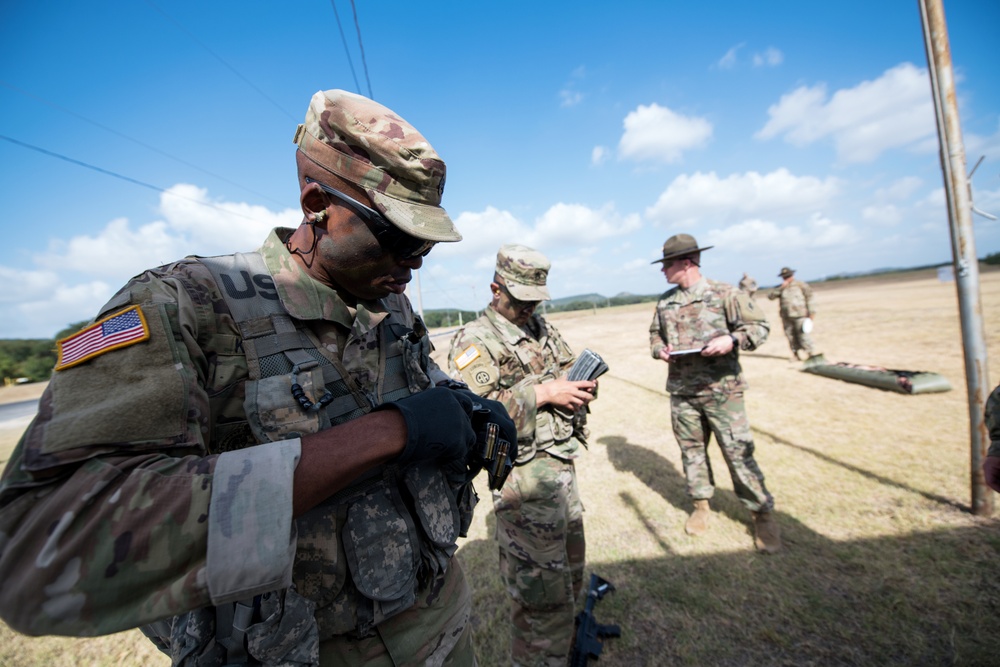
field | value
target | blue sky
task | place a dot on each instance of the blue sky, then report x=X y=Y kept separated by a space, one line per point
x=783 y=133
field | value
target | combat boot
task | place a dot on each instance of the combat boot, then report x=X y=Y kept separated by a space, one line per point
x=697 y=523
x=766 y=534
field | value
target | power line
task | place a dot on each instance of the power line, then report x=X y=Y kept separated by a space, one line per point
x=361 y=46
x=135 y=141
x=343 y=39
x=119 y=176
x=220 y=59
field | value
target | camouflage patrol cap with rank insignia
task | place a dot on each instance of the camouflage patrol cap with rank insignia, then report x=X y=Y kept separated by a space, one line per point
x=524 y=271
x=371 y=146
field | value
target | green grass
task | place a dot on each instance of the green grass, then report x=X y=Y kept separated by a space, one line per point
x=884 y=563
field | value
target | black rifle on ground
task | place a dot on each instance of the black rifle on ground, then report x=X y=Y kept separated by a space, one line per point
x=588 y=631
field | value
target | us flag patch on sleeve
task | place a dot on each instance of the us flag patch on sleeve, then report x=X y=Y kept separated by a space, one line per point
x=469 y=355
x=117 y=331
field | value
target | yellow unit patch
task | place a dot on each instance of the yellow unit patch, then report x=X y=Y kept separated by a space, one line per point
x=469 y=355
x=113 y=332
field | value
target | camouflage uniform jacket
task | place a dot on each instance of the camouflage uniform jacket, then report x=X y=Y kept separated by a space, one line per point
x=796 y=299
x=504 y=362
x=992 y=414
x=689 y=318
x=140 y=492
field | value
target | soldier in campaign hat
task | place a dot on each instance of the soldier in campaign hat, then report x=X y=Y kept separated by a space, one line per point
x=798 y=311
x=515 y=356
x=699 y=327
x=216 y=457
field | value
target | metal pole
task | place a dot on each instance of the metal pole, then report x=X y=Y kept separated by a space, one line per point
x=420 y=297
x=963 y=247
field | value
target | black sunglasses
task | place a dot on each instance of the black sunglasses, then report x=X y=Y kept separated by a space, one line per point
x=390 y=237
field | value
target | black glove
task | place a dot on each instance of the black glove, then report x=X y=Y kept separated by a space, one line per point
x=438 y=426
x=491 y=415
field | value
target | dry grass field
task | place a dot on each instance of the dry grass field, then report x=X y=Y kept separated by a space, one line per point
x=884 y=563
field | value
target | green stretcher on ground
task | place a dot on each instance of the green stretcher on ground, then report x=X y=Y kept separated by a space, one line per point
x=904 y=382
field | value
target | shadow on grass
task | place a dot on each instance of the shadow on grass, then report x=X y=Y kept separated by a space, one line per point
x=864 y=473
x=926 y=598
x=661 y=476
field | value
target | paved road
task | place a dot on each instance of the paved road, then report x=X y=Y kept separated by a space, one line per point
x=15 y=414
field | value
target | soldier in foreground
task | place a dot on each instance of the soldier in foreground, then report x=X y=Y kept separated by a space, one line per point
x=698 y=328
x=797 y=312
x=513 y=355
x=247 y=454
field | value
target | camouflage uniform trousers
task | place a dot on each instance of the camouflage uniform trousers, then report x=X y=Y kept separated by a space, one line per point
x=435 y=631
x=542 y=553
x=695 y=419
x=797 y=338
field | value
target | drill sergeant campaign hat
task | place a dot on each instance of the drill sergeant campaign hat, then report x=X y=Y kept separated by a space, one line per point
x=524 y=271
x=679 y=245
x=371 y=146
x=786 y=272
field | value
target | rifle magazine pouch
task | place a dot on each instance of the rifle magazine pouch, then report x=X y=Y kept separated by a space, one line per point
x=552 y=427
x=287 y=633
x=435 y=505
x=274 y=414
x=379 y=541
x=416 y=351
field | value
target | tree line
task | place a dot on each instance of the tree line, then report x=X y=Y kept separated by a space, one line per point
x=31 y=359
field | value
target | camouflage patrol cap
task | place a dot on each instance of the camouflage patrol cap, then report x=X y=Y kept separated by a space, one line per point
x=679 y=245
x=524 y=271
x=371 y=146
x=786 y=272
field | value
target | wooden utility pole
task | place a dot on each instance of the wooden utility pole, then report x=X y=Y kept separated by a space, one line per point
x=963 y=246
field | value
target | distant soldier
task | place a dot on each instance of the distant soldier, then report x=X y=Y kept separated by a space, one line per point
x=748 y=285
x=513 y=355
x=699 y=328
x=797 y=312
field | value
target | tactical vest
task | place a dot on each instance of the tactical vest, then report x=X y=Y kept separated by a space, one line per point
x=359 y=554
x=554 y=429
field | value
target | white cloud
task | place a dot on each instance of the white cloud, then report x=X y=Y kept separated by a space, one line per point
x=689 y=199
x=977 y=145
x=987 y=201
x=900 y=189
x=22 y=285
x=771 y=57
x=561 y=225
x=482 y=232
x=214 y=227
x=728 y=61
x=569 y=98
x=893 y=111
x=764 y=236
x=116 y=252
x=572 y=224
x=660 y=134
x=598 y=155
x=43 y=302
x=886 y=214
x=67 y=304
